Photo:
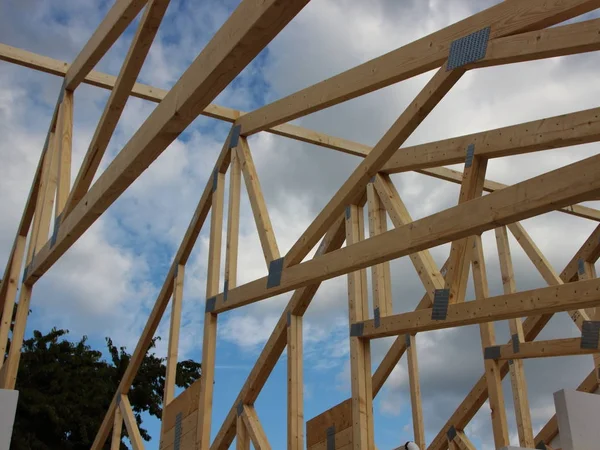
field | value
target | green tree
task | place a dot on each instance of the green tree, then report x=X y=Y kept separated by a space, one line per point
x=65 y=389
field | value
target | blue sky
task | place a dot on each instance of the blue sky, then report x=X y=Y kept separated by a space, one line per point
x=107 y=283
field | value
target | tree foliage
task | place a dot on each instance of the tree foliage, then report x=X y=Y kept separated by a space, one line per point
x=65 y=389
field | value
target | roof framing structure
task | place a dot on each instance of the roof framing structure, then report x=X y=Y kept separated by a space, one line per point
x=509 y=32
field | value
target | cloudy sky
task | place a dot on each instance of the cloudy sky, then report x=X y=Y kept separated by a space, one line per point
x=107 y=282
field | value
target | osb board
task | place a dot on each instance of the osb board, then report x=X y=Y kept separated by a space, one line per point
x=185 y=403
x=339 y=416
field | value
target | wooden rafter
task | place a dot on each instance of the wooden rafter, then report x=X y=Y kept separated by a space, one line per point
x=505 y=19
x=138 y=50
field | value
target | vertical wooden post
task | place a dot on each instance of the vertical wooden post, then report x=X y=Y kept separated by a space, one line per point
x=517 y=372
x=382 y=292
x=459 y=261
x=115 y=443
x=295 y=383
x=174 y=331
x=233 y=223
x=210 y=320
x=415 y=391
x=242 y=439
x=8 y=301
x=64 y=142
x=493 y=376
x=360 y=349
x=380 y=273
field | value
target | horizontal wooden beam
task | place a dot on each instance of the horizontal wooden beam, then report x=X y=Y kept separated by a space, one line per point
x=246 y=32
x=539 y=349
x=565 y=297
x=505 y=19
x=154 y=94
x=552 y=132
x=454 y=176
x=564 y=186
x=112 y=26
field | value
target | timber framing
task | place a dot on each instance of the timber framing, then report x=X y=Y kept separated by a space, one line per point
x=57 y=214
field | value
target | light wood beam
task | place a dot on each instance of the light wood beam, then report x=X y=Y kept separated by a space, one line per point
x=380 y=273
x=242 y=439
x=209 y=341
x=295 y=406
x=133 y=431
x=247 y=31
x=563 y=186
x=64 y=143
x=415 y=390
x=488 y=338
x=517 y=371
x=454 y=176
x=257 y=202
x=134 y=60
x=118 y=18
x=255 y=429
x=427 y=53
x=115 y=443
x=534 y=253
x=233 y=223
x=11 y=292
x=11 y=366
x=460 y=251
x=577 y=128
x=580 y=294
x=174 y=330
x=45 y=204
x=541 y=263
x=541 y=349
x=360 y=350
